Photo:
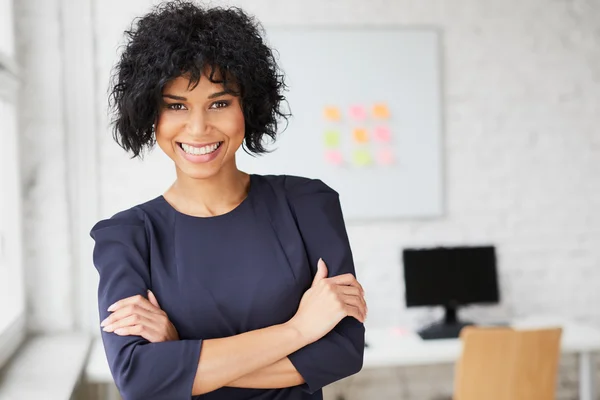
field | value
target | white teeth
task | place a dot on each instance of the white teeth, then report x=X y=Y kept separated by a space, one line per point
x=197 y=151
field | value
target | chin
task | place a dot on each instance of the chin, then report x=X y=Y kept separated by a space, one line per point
x=201 y=171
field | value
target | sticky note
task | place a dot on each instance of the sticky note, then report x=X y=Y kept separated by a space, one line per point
x=334 y=157
x=331 y=138
x=361 y=157
x=360 y=135
x=381 y=111
x=357 y=113
x=385 y=157
x=382 y=133
x=332 y=113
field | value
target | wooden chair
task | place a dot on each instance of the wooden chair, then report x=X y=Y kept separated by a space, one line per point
x=507 y=364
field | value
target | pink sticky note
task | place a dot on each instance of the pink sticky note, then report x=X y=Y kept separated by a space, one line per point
x=399 y=331
x=382 y=134
x=334 y=157
x=385 y=157
x=358 y=113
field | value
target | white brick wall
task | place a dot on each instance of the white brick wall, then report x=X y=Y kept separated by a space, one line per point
x=521 y=148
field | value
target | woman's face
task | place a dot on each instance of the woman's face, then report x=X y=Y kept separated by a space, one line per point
x=199 y=129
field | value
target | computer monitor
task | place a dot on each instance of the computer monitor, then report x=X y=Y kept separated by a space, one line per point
x=450 y=277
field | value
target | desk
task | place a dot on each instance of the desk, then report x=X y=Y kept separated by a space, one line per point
x=394 y=348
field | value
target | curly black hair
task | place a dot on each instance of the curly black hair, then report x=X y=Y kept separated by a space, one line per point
x=180 y=38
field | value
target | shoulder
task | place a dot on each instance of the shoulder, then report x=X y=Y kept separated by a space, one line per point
x=297 y=186
x=132 y=218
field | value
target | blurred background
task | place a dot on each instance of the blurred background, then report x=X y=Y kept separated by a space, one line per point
x=454 y=124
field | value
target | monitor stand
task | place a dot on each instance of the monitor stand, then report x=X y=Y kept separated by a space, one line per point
x=449 y=328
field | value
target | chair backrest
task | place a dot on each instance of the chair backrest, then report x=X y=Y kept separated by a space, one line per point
x=507 y=364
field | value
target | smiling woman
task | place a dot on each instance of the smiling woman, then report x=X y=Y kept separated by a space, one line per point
x=229 y=285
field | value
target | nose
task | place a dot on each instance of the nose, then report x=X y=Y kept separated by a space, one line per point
x=196 y=125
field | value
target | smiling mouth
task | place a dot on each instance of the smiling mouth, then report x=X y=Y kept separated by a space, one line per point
x=199 y=151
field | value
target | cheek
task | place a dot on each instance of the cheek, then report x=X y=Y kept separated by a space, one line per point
x=235 y=126
x=166 y=130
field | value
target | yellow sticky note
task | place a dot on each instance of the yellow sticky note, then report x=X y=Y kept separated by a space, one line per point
x=360 y=135
x=361 y=157
x=332 y=113
x=381 y=111
x=331 y=138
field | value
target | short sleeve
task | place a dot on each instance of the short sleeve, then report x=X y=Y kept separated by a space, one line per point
x=317 y=210
x=141 y=370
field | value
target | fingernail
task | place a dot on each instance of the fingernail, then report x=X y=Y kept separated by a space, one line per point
x=103 y=322
x=111 y=308
x=118 y=331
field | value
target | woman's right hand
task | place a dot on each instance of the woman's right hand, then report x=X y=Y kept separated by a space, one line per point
x=327 y=302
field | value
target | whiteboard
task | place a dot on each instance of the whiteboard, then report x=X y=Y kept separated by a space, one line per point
x=366 y=108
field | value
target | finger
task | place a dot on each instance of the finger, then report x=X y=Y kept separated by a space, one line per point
x=138 y=300
x=353 y=291
x=349 y=290
x=346 y=279
x=354 y=312
x=138 y=330
x=131 y=320
x=152 y=299
x=357 y=302
x=129 y=312
x=126 y=311
x=321 y=272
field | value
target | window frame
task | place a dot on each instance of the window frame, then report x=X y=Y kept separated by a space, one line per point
x=13 y=333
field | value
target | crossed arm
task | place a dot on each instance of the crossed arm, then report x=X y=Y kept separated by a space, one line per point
x=256 y=359
x=273 y=357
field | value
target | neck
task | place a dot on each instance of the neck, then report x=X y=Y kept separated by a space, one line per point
x=216 y=195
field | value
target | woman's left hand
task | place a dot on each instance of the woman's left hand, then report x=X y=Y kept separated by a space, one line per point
x=139 y=316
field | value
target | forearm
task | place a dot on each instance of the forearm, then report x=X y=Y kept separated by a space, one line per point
x=281 y=374
x=228 y=359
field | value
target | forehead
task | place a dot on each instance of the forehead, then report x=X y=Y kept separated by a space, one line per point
x=182 y=84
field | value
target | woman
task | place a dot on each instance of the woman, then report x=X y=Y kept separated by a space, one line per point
x=219 y=286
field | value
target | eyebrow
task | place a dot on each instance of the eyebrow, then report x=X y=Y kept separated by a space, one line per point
x=181 y=98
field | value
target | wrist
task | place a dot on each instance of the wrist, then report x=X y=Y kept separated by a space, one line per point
x=296 y=333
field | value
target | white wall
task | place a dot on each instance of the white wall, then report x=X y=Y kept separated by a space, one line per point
x=521 y=148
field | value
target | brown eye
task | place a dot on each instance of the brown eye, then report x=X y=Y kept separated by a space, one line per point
x=176 y=106
x=219 y=104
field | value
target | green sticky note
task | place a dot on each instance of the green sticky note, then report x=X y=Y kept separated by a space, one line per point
x=362 y=158
x=332 y=138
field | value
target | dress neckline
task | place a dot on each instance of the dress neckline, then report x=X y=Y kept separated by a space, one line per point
x=214 y=217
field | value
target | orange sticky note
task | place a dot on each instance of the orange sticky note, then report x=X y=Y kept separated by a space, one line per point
x=360 y=135
x=382 y=134
x=381 y=111
x=361 y=157
x=332 y=113
x=334 y=157
x=357 y=113
x=385 y=157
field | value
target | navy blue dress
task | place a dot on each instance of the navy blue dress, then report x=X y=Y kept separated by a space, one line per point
x=221 y=276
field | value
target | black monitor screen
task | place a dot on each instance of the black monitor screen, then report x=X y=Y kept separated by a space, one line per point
x=450 y=276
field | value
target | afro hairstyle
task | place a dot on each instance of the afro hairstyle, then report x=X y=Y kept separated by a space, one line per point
x=180 y=38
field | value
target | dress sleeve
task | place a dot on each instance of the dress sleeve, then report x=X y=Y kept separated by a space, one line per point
x=318 y=214
x=141 y=370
